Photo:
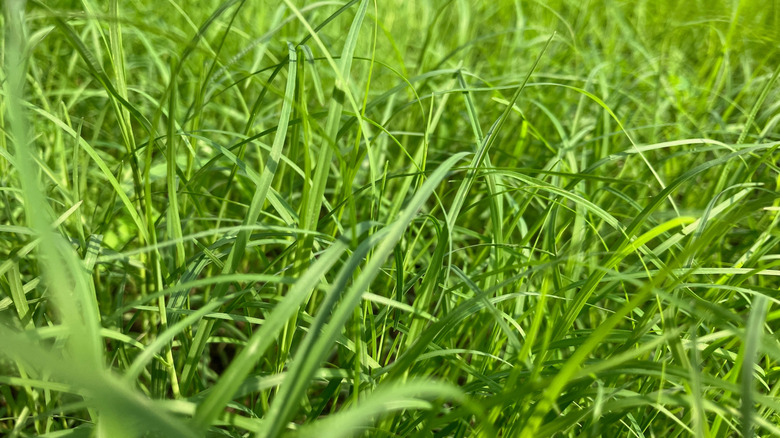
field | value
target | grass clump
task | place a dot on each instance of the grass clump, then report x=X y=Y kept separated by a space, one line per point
x=389 y=218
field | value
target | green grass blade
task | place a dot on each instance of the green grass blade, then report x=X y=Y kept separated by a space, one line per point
x=316 y=345
x=258 y=200
x=754 y=331
x=257 y=345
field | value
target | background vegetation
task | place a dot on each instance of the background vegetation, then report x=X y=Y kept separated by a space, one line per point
x=389 y=218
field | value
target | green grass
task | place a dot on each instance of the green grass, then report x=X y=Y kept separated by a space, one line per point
x=390 y=218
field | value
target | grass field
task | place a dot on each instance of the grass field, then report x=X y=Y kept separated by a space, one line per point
x=390 y=218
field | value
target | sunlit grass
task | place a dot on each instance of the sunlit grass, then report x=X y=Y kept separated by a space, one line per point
x=389 y=219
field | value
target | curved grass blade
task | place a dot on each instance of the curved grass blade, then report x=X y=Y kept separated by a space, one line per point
x=321 y=336
x=257 y=345
x=261 y=192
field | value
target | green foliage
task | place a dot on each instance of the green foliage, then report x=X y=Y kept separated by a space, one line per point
x=448 y=219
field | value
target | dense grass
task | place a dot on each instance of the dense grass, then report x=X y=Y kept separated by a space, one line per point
x=391 y=218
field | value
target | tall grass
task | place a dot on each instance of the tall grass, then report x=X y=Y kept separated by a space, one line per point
x=458 y=218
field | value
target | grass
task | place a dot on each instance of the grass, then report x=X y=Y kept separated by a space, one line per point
x=455 y=218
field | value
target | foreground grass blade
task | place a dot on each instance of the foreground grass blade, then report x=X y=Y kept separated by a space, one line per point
x=258 y=200
x=316 y=345
x=123 y=412
x=754 y=331
x=410 y=395
x=257 y=345
x=64 y=271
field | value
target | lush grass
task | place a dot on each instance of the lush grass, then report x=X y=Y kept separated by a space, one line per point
x=390 y=218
